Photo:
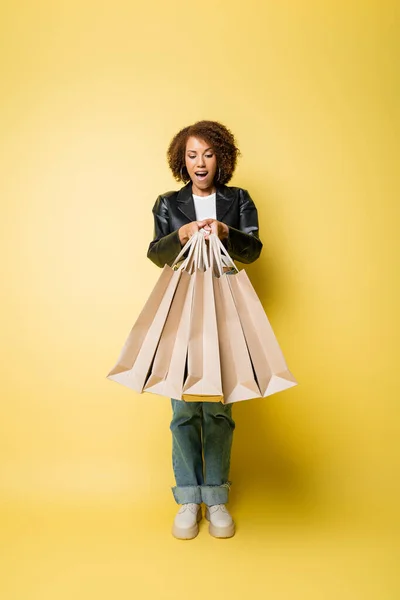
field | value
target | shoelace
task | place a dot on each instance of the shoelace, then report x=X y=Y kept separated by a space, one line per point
x=189 y=506
x=217 y=507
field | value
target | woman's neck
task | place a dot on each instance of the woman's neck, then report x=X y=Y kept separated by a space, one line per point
x=204 y=192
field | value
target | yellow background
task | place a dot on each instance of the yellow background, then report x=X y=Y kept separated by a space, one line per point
x=92 y=94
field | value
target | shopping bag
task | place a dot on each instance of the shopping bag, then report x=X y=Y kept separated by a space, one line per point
x=238 y=381
x=136 y=357
x=203 y=382
x=168 y=369
x=169 y=366
x=269 y=364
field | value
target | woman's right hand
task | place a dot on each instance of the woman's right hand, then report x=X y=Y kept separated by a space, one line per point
x=186 y=231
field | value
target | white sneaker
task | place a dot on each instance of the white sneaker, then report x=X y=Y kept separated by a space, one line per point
x=185 y=525
x=221 y=522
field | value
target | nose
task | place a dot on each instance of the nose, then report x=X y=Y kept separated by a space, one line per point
x=200 y=161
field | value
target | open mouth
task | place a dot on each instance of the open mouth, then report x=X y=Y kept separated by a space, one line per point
x=201 y=175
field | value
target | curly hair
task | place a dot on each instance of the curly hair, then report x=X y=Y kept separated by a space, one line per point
x=214 y=133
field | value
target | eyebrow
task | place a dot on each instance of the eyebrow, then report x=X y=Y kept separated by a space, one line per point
x=206 y=150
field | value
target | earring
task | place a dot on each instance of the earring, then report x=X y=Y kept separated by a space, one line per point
x=182 y=177
x=219 y=174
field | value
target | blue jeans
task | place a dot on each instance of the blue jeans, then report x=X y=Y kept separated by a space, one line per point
x=201 y=428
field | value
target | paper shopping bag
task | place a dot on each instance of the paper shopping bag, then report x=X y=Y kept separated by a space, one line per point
x=137 y=354
x=269 y=363
x=168 y=370
x=203 y=382
x=238 y=381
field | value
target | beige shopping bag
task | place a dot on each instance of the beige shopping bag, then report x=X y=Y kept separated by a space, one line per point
x=203 y=382
x=269 y=363
x=169 y=366
x=135 y=360
x=168 y=370
x=136 y=356
x=238 y=381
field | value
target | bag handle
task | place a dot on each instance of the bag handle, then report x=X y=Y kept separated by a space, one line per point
x=217 y=247
x=202 y=257
x=227 y=260
x=205 y=262
x=188 y=246
x=193 y=259
x=197 y=258
x=215 y=257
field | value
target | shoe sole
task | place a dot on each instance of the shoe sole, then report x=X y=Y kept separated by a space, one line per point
x=221 y=532
x=187 y=534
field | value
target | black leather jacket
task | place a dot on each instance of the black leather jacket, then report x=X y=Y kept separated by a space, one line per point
x=234 y=207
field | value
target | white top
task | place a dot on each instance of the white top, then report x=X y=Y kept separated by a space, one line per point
x=205 y=207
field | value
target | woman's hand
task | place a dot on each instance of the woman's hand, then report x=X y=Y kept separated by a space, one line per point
x=220 y=229
x=186 y=231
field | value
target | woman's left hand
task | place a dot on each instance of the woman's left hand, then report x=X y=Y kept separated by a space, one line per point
x=220 y=229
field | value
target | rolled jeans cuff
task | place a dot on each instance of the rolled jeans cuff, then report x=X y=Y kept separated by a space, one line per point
x=209 y=494
x=215 y=494
x=187 y=494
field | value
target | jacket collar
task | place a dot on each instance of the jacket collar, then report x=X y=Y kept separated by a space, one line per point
x=223 y=200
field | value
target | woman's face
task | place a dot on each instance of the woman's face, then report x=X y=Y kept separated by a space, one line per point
x=201 y=164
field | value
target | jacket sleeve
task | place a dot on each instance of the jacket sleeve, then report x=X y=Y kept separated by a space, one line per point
x=244 y=244
x=166 y=245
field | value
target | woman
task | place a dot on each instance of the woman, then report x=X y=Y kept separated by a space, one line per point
x=203 y=156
